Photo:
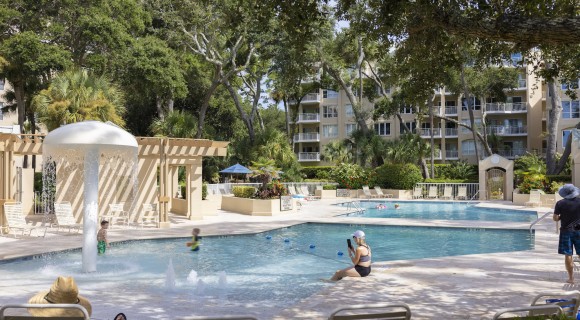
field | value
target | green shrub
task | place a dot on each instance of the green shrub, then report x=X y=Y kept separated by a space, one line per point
x=329 y=187
x=322 y=172
x=555 y=186
x=351 y=176
x=398 y=176
x=183 y=188
x=272 y=190
x=559 y=178
x=204 y=191
x=38 y=182
x=244 y=192
x=530 y=182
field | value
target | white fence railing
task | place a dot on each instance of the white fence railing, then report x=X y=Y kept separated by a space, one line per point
x=226 y=188
x=470 y=189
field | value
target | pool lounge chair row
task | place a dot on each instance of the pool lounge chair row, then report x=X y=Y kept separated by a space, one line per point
x=378 y=193
x=543 y=306
x=433 y=193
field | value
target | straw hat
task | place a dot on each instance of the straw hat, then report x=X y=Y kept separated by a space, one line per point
x=63 y=290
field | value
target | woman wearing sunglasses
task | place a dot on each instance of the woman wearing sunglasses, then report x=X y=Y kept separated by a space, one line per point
x=361 y=258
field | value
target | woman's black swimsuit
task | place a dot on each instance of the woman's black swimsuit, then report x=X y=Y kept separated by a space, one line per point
x=364 y=271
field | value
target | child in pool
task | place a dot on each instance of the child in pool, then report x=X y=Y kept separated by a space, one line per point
x=194 y=244
x=397 y=206
x=102 y=241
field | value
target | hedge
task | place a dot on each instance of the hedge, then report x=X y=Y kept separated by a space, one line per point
x=559 y=178
x=244 y=192
x=321 y=172
x=329 y=187
x=204 y=191
x=398 y=176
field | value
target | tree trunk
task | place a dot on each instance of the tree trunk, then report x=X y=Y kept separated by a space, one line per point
x=247 y=119
x=424 y=168
x=159 y=105
x=564 y=159
x=470 y=110
x=32 y=121
x=170 y=103
x=553 y=119
x=20 y=103
x=287 y=118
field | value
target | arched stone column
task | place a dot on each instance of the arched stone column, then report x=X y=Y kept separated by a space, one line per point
x=496 y=161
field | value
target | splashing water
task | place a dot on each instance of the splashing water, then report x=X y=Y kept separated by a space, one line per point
x=170 y=277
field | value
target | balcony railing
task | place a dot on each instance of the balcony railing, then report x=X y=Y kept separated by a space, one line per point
x=308 y=117
x=522 y=83
x=451 y=154
x=507 y=130
x=450 y=132
x=309 y=156
x=307 y=137
x=512 y=153
x=426 y=133
x=450 y=111
x=308 y=98
x=500 y=107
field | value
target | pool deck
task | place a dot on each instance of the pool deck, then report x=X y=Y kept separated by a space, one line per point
x=460 y=287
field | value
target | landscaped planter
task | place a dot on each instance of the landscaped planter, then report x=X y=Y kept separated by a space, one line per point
x=548 y=200
x=399 y=194
x=254 y=207
x=325 y=194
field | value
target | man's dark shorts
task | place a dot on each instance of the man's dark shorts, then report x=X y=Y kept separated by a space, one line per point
x=569 y=239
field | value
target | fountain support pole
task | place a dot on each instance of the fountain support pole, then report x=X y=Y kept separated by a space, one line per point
x=91 y=202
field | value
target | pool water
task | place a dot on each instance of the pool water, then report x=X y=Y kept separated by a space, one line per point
x=443 y=211
x=263 y=272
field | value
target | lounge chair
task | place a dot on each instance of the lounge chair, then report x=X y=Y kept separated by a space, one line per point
x=64 y=217
x=533 y=312
x=149 y=214
x=42 y=306
x=433 y=192
x=417 y=192
x=447 y=193
x=461 y=193
x=16 y=221
x=568 y=301
x=117 y=213
x=380 y=193
x=535 y=198
x=399 y=311
x=306 y=193
x=220 y=318
x=367 y=192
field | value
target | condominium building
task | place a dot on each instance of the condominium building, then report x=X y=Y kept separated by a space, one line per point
x=518 y=124
x=8 y=120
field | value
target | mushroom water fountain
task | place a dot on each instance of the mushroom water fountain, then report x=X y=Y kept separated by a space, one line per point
x=87 y=147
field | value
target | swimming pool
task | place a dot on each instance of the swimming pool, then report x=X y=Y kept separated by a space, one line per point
x=443 y=211
x=261 y=275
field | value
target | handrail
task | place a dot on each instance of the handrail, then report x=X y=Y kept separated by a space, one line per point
x=540 y=219
x=354 y=205
x=472 y=197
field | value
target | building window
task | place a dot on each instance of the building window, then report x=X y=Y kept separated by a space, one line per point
x=570 y=85
x=468 y=123
x=350 y=127
x=330 y=131
x=329 y=94
x=521 y=80
x=407 y=110
x=570 y=109
x=1 y=84
x=565 y=135
x=516 y=57
x=476 y=103
x=468 y=148
x=348 y=110
x=450 y=103
x=330 y=112
x=410 y=125
x=383 y=128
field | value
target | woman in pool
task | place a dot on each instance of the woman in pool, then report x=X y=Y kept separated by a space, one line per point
x=361 y=258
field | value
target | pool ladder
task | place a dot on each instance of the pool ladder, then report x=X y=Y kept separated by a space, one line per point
x=355 y=206
x=542 y=218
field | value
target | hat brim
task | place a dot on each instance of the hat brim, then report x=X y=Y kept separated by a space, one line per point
x=57 y=312
x=572 y=195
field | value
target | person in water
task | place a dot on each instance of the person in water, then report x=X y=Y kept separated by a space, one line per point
x=361 y=258
x=102 y=240
x=194 y=244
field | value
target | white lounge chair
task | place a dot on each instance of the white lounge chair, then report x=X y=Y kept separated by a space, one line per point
x=149 y=214
x=525 y=312
x=461 y=193
x=433 y=192
x=535 y=198
x=367 y=192
x=380 y=193
x=306 y=193
x=417 y=192
x=400 y=311
x=447 y=192
x=64 y=217
x=116 y=213
x=219 y=318
x=569 y=301
x=81 y=309
x=16 y=221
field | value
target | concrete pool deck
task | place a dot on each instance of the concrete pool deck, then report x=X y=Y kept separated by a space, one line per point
x=459 y=287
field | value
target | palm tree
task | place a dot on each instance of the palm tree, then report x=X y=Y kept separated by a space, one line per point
x=409 y=148
x=336 y=152
x=366 y=146
x=176 y=124
x=77 y=95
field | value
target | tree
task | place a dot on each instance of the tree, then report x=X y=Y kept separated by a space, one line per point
x=177 y=124
x=336 y=152
x=77 y=95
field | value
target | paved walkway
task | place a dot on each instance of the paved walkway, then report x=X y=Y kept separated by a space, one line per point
x=461 y=287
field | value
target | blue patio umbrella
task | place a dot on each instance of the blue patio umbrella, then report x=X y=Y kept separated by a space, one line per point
x=236 y=168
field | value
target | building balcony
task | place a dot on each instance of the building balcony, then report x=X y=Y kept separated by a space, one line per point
x=512 y=153
x=308 y=118
x=308 y=98
x=450 y=132
x=437 y=110
x=307 y=137
x=522 y=84
x=308 y=156
x=451 y=154
x=500 y=107
x=426 y=133
x=451 y=111
x=507 y=130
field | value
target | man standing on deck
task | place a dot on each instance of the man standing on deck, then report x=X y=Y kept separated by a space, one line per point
x=567 y=211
